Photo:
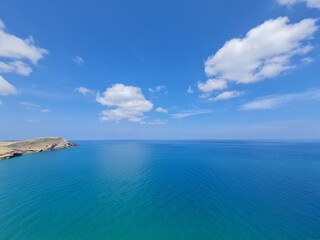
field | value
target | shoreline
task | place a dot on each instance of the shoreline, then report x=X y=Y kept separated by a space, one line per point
x=10 y=149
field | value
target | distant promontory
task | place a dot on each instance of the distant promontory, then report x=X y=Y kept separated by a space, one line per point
x=12 y=149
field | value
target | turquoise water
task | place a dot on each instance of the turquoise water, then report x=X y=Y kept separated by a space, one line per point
x=153 y=190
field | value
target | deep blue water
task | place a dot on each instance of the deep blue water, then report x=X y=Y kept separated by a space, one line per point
x=199 y=190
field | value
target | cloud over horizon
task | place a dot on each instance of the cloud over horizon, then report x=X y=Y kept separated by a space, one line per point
x=128 y=102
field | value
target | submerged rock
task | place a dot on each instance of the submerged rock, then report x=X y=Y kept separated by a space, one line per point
x=18 y=148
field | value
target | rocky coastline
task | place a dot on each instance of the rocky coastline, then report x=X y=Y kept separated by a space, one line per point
x=12 y=149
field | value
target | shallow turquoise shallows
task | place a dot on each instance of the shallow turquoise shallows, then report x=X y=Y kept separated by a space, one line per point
x=200 y=190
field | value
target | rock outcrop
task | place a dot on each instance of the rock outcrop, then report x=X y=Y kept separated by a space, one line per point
x=18 y=148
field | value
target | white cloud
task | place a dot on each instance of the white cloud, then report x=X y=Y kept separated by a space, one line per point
x=213 y=85
x=29 y=105
x=265 y=52
x=31 y=120
x=161 y=110
x=6 y=88
x=157 y=88
x=128 y=102
x=310 y=3
x=190 y=90
x=12 y=47
x=307 y=60
x=45 y=110
x=153 y=123
x=14 y=51
x=272 y=102
x=17 y=67
x=78 y=60
x=84 y=91
x=226 y=95
x=189 y=113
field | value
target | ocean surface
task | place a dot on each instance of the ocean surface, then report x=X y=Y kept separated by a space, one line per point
x=150 y=190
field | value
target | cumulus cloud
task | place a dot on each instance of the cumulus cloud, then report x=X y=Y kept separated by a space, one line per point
x=128 y=102
x=157 y=89
x=6 y=88
x=15 y=54
x=272 y=102
x=161 y=110
x=12 y=47
x=189 y=113
x=212 y=85
x=309 y=3
x=78 y=60
x=265 y=52
x=84 y=91
x=226 y=95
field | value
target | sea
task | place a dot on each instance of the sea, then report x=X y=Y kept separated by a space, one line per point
x=162 y=190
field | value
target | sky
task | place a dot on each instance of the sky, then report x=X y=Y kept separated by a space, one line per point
x=150 y=69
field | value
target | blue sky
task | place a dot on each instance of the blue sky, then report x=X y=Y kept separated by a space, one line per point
x=160 y=69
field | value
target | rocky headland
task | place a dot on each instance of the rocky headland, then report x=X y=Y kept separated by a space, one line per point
x=12 y=149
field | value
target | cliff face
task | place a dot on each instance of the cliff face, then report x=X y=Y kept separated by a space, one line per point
x=17 y=148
